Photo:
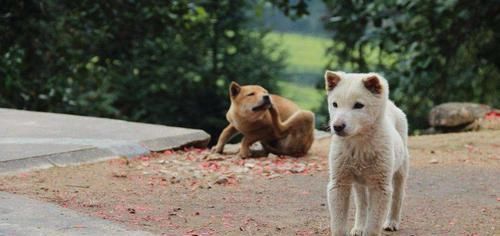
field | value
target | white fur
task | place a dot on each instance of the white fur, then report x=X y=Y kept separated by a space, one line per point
x=371 y=159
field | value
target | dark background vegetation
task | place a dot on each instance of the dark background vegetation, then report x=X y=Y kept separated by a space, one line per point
x=167 y=62
x=170 y=62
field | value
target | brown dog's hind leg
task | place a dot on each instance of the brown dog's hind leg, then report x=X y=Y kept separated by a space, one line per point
x=246 y=142
x=226 y=134
x=299 y=118
x=301 y=128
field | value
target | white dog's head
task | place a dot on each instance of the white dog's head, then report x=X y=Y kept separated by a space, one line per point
x=355 y=101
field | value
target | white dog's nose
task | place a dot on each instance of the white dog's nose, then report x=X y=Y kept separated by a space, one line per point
x=339 y=128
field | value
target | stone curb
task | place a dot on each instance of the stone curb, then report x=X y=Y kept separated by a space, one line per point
x=93 y=154
x=38 y=140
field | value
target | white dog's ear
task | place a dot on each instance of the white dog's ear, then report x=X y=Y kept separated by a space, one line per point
x=373 y=84
x=331 y=80
x=234 y=89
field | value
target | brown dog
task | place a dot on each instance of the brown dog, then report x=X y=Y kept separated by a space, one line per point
x=280 y=125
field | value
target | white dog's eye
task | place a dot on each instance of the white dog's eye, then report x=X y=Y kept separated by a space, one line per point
x=250 y=94
x=358 y=105
x=335 y=105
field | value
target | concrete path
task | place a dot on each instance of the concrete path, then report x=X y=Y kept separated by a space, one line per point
x=32 y=140
x=24 y=216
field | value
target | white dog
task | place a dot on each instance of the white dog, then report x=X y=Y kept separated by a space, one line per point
x=368 y=153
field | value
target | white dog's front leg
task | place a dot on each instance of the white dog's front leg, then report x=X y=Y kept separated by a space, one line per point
x=394 y=217
x=338 y=204
x=380 y=198
x=361 y=200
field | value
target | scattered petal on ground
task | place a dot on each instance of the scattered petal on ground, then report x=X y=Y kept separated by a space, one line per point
x=194 y=192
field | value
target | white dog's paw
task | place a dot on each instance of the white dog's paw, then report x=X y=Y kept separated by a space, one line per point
x=356 y=232
x=391 y=225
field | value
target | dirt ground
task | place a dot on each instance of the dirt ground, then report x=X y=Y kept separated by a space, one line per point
x=454 y=189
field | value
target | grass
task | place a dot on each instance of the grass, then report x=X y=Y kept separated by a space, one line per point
x=305 y=56
x=305 y=53
x=306 y=97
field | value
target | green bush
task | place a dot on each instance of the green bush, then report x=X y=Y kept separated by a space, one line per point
x=166 y=62
x=430 y=51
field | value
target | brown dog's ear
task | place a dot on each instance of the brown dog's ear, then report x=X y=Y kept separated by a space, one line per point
x=234 y=89
x=331 y=80
x=373 y=84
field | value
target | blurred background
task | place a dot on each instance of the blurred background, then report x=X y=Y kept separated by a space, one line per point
x=170 y=62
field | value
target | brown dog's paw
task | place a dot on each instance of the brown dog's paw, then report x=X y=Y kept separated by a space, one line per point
x=244 y=154
x=216 y=149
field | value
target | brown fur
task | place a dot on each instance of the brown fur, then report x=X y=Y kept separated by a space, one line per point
x=280 y=125
x=372 y=84
x=331 y=80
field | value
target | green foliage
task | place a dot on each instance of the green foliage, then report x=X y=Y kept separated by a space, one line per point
x=274 y=19
x=307 y=97
x=305 y=53
x=294 y=9
x=431 y=51
x=305 y=59
x=167 y=62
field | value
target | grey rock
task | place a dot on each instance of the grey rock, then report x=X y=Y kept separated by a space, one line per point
x=455 y=114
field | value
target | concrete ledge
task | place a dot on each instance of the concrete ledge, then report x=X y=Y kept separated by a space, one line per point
x=35 y=140
x=194 y=139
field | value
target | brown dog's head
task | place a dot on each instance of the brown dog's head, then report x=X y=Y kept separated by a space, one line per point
x=249 y=99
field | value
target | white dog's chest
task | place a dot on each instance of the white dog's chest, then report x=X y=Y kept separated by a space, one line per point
x=360 y=168
x=363 y=176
